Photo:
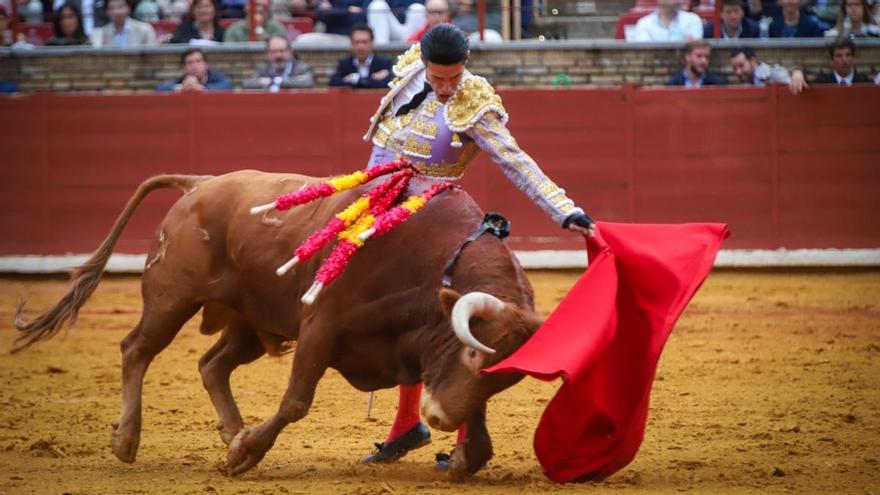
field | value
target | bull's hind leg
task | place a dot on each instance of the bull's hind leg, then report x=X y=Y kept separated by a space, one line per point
x=157 y=328
x=313 y=352
x=237 y=345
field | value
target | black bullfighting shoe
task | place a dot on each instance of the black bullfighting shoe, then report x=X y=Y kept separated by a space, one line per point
x=417 y=436
x=442 y=460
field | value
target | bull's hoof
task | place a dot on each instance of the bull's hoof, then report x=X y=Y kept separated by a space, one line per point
x=458 y=468
x=227 y=434
x=124 y=446
x=241 y=458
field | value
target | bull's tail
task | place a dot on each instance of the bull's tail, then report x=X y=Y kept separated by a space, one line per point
x=86 y=277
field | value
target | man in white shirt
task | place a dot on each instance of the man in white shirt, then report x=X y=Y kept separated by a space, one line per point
x=667 y=23
x=122 y=30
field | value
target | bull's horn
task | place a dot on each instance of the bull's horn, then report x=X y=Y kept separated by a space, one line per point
x=473 y=304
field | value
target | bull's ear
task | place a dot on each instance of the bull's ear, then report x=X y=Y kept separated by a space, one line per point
x=448 y=298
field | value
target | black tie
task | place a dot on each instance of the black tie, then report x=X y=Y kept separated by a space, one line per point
x=415 y=102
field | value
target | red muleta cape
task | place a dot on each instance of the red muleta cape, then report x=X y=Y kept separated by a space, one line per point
x=605 y=339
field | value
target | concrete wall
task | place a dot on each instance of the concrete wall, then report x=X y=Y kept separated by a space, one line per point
x=528 y=63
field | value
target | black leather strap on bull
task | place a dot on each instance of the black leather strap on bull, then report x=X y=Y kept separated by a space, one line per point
x=494 y=224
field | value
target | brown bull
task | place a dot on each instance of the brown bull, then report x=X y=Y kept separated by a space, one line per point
x=380 y=324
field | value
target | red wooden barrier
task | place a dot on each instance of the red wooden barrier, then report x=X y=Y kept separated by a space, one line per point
x=784 y=171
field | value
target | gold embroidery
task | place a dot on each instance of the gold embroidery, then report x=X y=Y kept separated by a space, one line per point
x=409 y=60
x=488 y=129
x=443 y=170
x=430 y=108
x=468 y=153
x=475 y=97
x=413 y=146
x=425 y=129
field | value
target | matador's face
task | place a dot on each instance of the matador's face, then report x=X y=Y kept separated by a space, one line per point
x=444 y=78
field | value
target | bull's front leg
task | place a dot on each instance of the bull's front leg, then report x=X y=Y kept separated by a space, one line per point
x=309 y=363
x=474 y=452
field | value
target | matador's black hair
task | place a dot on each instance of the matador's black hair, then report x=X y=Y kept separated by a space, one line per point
x=444 y=44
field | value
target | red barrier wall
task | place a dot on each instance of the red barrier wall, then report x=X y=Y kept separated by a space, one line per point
x=783 y=171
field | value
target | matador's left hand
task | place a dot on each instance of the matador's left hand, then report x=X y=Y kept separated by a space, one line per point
x=580 y=222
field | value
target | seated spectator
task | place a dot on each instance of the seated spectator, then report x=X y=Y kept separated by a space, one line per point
x=750 y=70
x=93 y=13
x=792 y=23
x=756 y=9
x=147 y=11
x=338 y=16
x=266 y=27
x=842 y=53
x=175 y=10
x=734 y=24
x=363 y=69
x=201 y=24
x=855 y=21
x=122 y=30
x=826 y=10
x=667 y=23
x=395 y=20
x=696 y=63
x=7 y=38
x=68 y=27
x=197 y=76
x=436 y=12
x=232 y=9
x=283 y=70
x=466 y=17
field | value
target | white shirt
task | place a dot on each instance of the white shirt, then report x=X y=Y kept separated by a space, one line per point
x=363 y=69
x=686 y=25
x=406 y=94
x=846 y=81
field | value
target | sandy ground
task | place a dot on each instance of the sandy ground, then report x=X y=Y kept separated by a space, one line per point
x=769 y=384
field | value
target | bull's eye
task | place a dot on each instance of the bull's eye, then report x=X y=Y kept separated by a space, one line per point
x=472 y=353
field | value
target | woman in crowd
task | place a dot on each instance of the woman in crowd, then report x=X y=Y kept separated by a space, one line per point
x=202 y=23
x=68 y=27
x=855 y=21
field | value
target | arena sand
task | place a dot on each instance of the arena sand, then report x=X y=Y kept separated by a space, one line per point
x=769 y=384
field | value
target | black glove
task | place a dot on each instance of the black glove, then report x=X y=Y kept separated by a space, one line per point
x=579 y=219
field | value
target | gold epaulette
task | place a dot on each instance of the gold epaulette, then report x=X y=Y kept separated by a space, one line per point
x=475 y=97
x=409 y=61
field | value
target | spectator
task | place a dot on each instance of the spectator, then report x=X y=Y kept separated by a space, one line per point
x=266 y=27
x=667 y=23
x=466 y=16
x=68 y=27
x=197 y=76
x=147 y=11
x=734 y=24
x=792 y=23
x=696 y=63
x=201 y=24
x=122 y=30
x=363 y=69
x=750 y=70
x=7 y=37
x=842 y=53
x=283 y=70
x=855 y=21
x=827 y=11
x=436 y=12
x=395 y=20
x=93 y=13
x=175 y=10
x=756 y=9
x=339 y=16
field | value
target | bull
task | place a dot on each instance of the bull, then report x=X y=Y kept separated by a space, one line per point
x=386 y=321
